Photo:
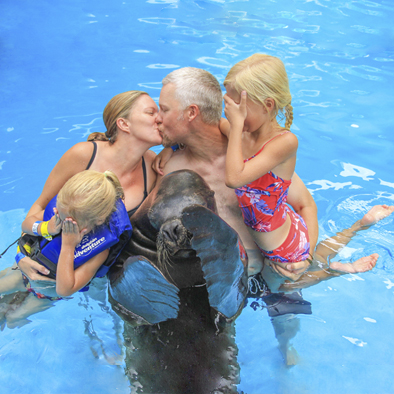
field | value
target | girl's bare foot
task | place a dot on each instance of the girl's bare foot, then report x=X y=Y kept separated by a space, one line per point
x=361 y=265
x=376 y=213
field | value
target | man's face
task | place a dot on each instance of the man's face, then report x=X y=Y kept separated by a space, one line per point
x=170 y=118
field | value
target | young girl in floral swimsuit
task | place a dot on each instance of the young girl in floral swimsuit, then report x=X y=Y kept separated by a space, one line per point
x=260 y=163
x=261 y=182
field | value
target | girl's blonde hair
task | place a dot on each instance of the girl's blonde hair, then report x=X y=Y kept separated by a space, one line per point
x=119 y=106
x=263 y=76
x=89 y=197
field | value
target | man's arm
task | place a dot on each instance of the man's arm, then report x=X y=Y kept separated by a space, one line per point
x=303 y=203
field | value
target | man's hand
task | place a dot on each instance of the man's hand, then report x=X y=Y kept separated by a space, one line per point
x=291 y=271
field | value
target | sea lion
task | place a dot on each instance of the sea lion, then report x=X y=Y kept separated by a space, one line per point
x=179 y=285
x=179 y=242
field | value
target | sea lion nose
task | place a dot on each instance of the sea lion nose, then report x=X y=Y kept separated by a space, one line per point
x=174 y=236
x=172 y=230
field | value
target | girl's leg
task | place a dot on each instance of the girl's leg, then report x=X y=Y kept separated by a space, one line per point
x=328 y=249
x=11 y=280
x=17 y=313
x=323 y=269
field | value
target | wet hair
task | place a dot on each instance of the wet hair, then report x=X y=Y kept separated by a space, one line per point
x=89 y=197
x=200 y=87
x=263 y=76
x=119 y=106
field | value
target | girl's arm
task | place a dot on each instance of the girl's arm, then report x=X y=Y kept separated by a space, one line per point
x=29 y=267
x=34 y=225
x=224 y=127
x=68 y=280
x=277 y=152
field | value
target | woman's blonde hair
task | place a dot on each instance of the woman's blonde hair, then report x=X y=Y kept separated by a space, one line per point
x=89 y=197
x=119 y=106
x=263 y=76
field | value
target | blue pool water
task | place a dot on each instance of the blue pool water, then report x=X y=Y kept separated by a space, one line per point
x=60 y=64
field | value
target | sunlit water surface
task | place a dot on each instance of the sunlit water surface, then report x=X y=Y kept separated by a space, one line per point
x=60 y=64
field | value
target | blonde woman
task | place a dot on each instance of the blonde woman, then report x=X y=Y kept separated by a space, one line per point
x=129 y=118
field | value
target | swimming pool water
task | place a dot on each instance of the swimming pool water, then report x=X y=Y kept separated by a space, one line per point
x=60 y=64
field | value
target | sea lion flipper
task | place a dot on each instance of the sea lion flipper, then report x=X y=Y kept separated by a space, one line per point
x=141 y=288
x=217 y=246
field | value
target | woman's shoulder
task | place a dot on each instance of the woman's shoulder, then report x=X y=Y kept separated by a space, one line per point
x=82 y=151
x=149 y=156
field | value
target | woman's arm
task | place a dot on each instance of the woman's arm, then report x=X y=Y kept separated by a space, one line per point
x=68 y=280
x=73 y=161
x=277 y=152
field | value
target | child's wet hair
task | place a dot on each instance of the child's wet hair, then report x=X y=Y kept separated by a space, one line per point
x=263 y=76
x=89 y=197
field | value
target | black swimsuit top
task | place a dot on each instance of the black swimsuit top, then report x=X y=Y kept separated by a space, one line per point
x=132 y=211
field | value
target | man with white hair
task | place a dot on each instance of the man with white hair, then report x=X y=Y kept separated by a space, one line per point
x=190 y=111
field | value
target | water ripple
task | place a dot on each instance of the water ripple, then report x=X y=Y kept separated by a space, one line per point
x=357 y=171
x=151 y=85
x=158 y=21
x=354 y=71
x=162 y=66
x=365 y=29
x=325 y=104
x=353 y=7
x=308 y=29
x=211 y=61
x=162 y=1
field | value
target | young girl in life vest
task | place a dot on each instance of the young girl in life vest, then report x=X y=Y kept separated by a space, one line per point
x=77 y=237
x=260 y=163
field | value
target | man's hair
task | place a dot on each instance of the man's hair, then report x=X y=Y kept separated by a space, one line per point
x=199 y=87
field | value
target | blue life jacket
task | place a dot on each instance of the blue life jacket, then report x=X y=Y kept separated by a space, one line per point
x=113 y=235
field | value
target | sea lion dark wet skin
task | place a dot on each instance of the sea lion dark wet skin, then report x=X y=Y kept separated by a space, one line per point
x=192 y=253
x=193 y=293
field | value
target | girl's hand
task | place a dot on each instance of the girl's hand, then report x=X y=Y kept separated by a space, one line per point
x=55 y=224
x=71 y=236
x=161 y=160
x=235 y=113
